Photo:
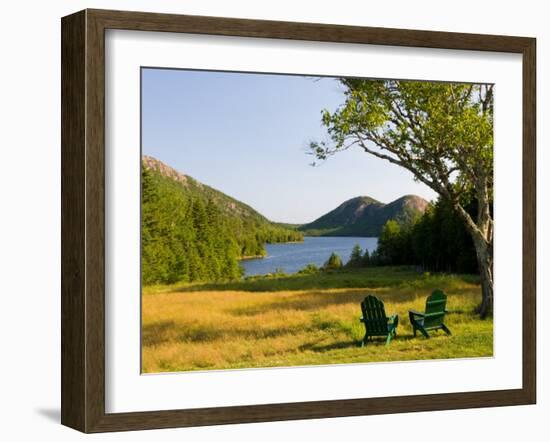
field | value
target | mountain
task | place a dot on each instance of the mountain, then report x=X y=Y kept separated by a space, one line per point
x=190 y=186
x=364 y=216
x=193 y=232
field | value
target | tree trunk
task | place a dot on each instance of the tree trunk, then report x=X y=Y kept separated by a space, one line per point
x=482 y=236
x=485 y=262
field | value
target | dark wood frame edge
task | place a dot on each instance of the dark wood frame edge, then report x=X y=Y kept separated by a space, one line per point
x=83 y=235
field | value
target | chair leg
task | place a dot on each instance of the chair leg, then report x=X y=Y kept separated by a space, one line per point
x=445 y=329
x=388 y=339
x=413 y=323
x=364 y=341
x=424 y=332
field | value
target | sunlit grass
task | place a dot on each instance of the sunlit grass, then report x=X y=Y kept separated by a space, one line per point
x=307 y=320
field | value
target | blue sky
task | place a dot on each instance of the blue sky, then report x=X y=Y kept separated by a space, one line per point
x=247 y=135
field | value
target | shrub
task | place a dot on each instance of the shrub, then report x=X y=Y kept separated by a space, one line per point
x=310 y=269
x=333 y=262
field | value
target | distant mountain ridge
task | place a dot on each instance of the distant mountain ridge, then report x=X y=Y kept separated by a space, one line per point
x=226 y=203
x=359 y=216
x=364 y=216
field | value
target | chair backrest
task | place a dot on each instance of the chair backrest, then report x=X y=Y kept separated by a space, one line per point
x=435 y=309
x=374 y=315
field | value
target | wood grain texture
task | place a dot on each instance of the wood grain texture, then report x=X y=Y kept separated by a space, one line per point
x=144 y=21
x=83 y=220
x=73 y=252
x=529 y=220
x=95 y=222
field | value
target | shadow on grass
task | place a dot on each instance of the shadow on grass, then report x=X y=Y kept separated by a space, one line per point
x=314 y=301
x=296 y=282
x=342 y=345
x=374 y=277
x=159 y=333
x=155 y=333
x=328 y=347
x=318 y=300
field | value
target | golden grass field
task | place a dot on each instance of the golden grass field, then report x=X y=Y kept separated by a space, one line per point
x=303 y=320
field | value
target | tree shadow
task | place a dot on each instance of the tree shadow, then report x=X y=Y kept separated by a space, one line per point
x=315 y=347
x=168 y=331
x=401 y=279
x=154 y=334
x=318 y=300
x=347 y=278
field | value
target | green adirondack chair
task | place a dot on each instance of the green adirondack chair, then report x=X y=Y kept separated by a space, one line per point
x=433 y=317
x=375 y=320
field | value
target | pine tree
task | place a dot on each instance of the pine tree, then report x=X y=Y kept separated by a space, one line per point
x=187 y=236
x=356 y=257
x=365 y=259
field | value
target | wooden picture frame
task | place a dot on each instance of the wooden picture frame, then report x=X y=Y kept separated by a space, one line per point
x=83 y=220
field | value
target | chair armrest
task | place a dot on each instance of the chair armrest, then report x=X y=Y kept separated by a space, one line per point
x=416 y=313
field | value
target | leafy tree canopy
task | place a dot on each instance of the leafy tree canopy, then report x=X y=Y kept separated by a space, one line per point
x=441 y=132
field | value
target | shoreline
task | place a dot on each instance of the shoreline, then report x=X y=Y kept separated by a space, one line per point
x=247 y=258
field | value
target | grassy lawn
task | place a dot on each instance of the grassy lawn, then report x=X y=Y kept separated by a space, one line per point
x=303 y=320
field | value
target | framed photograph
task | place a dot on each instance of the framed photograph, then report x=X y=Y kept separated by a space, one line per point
x=267 y=221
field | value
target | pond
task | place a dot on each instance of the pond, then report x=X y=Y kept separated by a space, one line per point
x=292 y=257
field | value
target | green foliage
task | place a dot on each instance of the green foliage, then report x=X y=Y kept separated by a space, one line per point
x=365 y=259
x=194 y=233
x=440 y=132
x=183 y=238
x=310 y=269
x=440 y=241
x=436 y=241
x=393 y=244
x=434 y=129
x=334 y=262
x=356 y=257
